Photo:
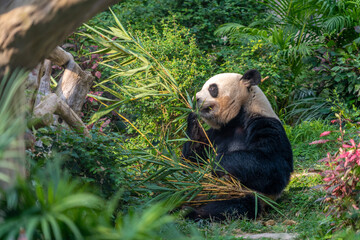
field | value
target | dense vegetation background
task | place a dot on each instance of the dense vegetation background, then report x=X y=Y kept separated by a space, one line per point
x=150 y=57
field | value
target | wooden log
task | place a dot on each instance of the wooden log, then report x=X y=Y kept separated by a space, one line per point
x=52 y=104
x=60 y=57
x=44 y=85
x=32 y=85
x=74 y=85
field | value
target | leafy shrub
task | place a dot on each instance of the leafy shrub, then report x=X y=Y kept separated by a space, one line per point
x=339 y=70
x=342 y=183
x=299 y=27
x=175 y=47
x=288 y=32
x=50 y=205
x=343 y=174
x=149 y=93
x=94 y=160
x=201 y=17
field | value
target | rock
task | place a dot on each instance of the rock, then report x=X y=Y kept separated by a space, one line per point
x=278 y=236
x=269 y=223
x=289 y=222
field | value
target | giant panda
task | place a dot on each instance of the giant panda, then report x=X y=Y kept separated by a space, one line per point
x=250 y=142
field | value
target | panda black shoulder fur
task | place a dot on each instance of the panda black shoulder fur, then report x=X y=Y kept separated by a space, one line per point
x=249 y=139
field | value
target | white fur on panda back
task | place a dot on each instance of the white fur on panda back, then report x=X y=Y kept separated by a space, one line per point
x=259 y=104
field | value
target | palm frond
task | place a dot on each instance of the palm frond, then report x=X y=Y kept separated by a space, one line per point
x=327 y=6
x=49 y=205
x=231 y=29
x=308 y=109
x=336 y=23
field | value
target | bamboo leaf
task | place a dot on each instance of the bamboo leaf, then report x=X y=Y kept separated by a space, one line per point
x=104 y=111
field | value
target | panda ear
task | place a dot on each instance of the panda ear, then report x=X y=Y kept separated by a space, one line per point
x=251 y=77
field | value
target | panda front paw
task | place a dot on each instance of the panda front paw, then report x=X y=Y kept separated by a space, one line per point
x=193 y=127
x=192 y=118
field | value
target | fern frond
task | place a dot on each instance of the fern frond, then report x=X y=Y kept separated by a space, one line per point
x=336 y=23
x=327 y=6
x=233 y=29
x=228 y=28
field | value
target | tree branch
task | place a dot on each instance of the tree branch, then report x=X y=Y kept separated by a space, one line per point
x=31 y=29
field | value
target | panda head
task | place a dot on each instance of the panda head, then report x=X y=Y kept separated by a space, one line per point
x=224 y=95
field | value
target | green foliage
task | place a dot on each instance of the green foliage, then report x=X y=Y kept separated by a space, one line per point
x=286 y=32
x=94 y=160
x=146 y=78
x=301 y=135
x=308 y=108
x=339 y=70
x=140 y=78
x=161 y=172
x=299 y=27
x=200 y=17
x=11 y=124
x=151 y=223
x=177 y=50
x=339 y=22
x=343 y=173
x=12 y=114
x=47 y=206
x=50 y=205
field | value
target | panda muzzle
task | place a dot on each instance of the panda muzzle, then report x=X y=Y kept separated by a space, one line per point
x=206 y=108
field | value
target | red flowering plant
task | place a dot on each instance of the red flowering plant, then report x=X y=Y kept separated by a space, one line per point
x=91 y=99
x=342 y=176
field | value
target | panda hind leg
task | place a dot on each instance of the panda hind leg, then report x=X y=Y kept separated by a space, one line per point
x=220 y=210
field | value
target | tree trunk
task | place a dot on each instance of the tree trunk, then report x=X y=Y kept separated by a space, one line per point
x=29 y=31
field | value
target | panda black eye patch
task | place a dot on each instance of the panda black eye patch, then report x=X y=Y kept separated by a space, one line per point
x=213 y=90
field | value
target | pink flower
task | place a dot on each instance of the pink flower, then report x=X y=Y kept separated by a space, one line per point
x=357 y=152
x=94 y=56
x=95 y=66
x=104 y=124
x=328 y=179
x=98 y=93
x=344 y=155
x=352 y=158
x=91 y=99
x=98 y=74
x=321 y=141
x=325 y=133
